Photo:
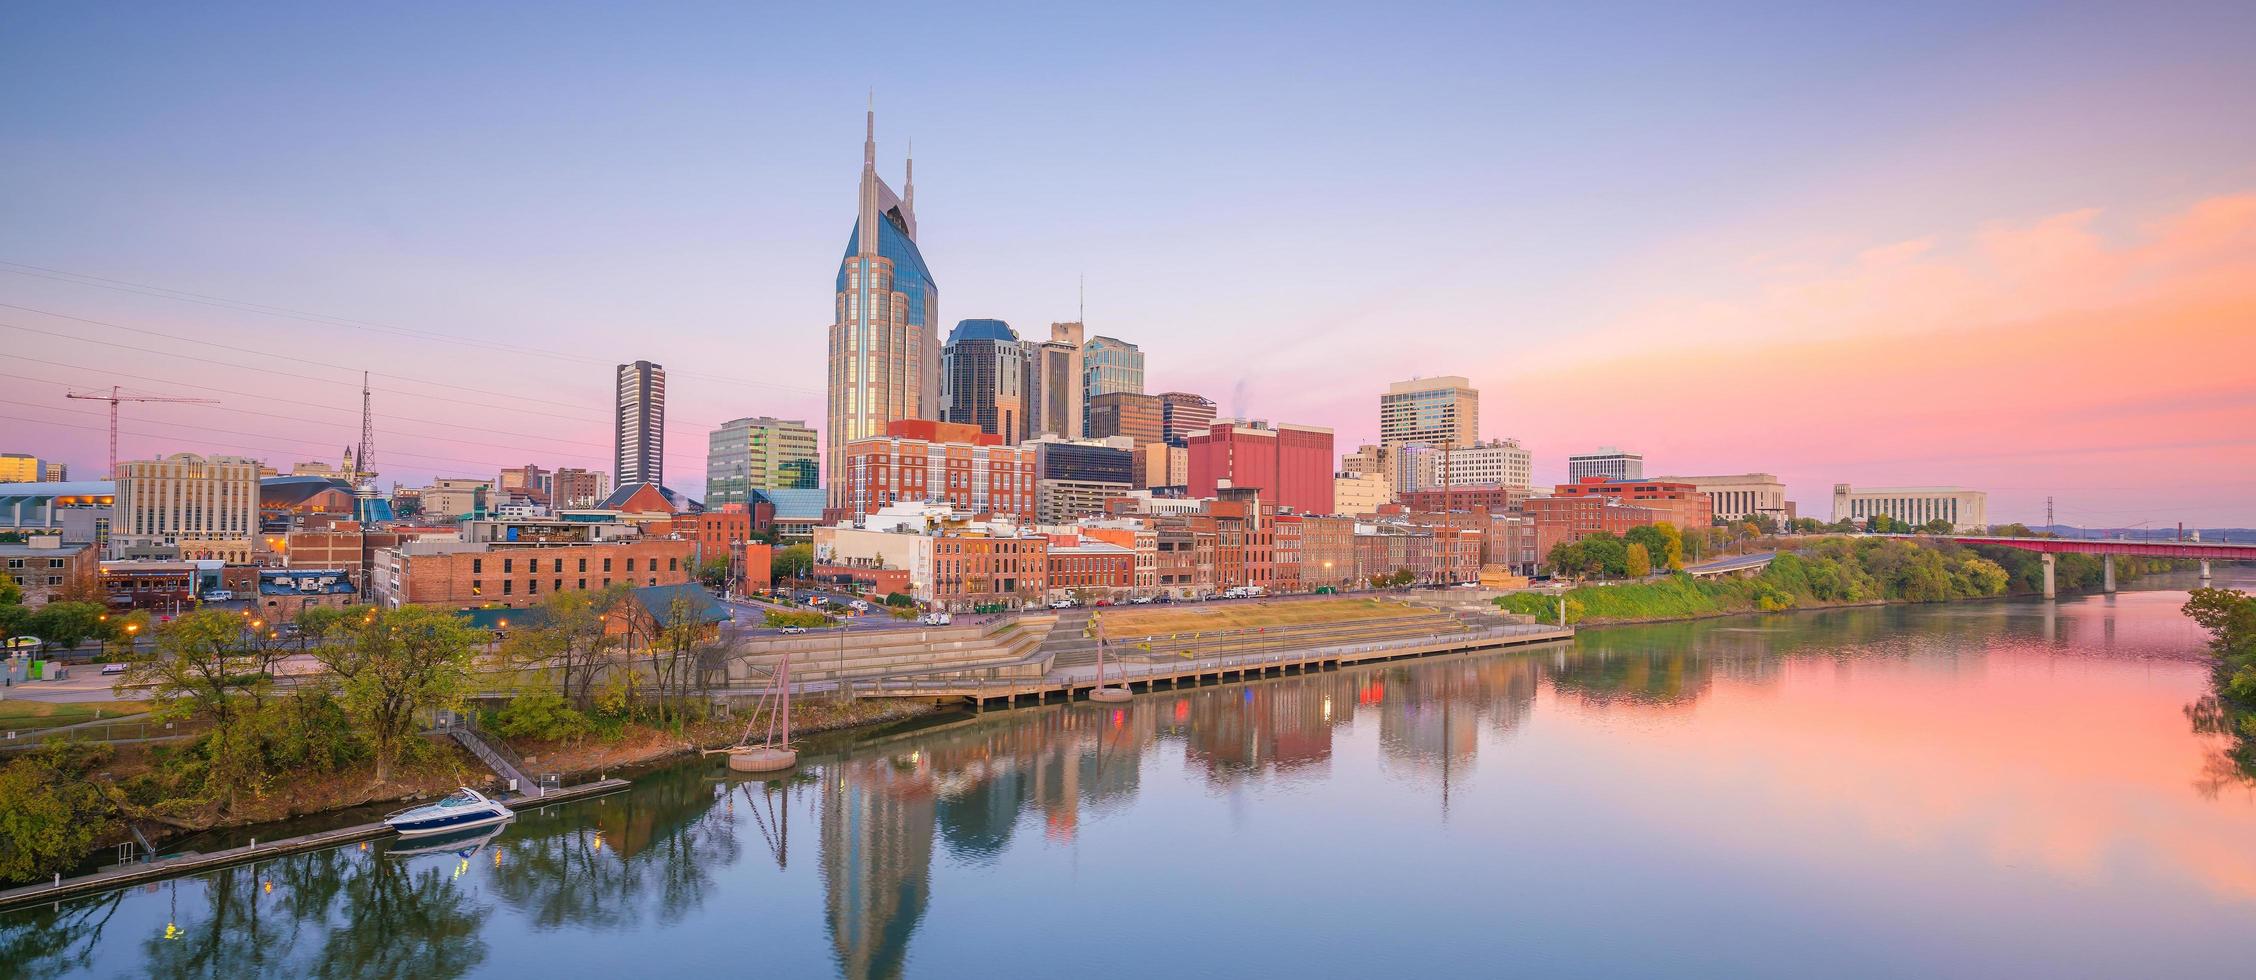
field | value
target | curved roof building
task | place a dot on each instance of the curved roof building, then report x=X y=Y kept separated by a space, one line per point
x=884 y=335
x=983 y=379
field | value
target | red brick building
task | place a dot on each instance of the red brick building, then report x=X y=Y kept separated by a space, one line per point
x=443 y=573
x=1574 y=517
x=972 y=570
x=1681 y=504
x=1492 y=498
x=1089 y=569
x=1291 y=464
x=956 y=464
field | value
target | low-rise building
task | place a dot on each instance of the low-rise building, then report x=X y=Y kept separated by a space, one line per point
x=1361 y=493
x=161 y=586
x=990 y=567
x=1088 y=570
x=440 y=572
x=1681 y=504
x=946 y=462
x=1966 y=510
x=45 y=568
x=284 y=593
x=1741 y=496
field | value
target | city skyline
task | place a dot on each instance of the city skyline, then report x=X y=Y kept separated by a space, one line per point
x=1882 y=295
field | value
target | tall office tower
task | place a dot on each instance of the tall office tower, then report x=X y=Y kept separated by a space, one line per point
x=186 y=507
x=641 y=418
x=1434 y=411
x=1126 y=413
x=1182 y=415
x=885 y=320
x=1608 y=462
x=1109 y=365
x=762 y=453
x=1055 y=379
x=22 y=468
x=983 y=379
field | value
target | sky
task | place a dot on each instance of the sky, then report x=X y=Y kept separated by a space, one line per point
x=2003 y=246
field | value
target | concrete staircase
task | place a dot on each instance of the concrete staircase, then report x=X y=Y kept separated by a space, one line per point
x=993 y=651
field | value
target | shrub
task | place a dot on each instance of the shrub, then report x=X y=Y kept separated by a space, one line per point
x=540 y=715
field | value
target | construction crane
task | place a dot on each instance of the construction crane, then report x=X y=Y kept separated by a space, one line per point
x=117 y=395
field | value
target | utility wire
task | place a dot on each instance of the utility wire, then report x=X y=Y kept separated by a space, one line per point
x=246 y=306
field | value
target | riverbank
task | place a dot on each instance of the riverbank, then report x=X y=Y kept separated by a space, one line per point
x=1828 y=575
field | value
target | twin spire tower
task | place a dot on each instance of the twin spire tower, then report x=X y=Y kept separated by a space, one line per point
x=884 y=359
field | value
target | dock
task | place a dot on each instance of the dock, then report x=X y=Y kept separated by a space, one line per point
x=1077 y=681
x=123 y=876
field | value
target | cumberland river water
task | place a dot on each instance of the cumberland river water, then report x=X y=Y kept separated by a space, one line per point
x=1975 y=790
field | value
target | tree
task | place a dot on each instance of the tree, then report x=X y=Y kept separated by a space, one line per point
x=395 y=665
x=572 y=637
x=195 y=672
x=792 y=561
x=66 y=624
x=51 y=812
x=1664 y=545
x=1940 y=525
x=714 y=572
x=1637 y=562
x=12 y=611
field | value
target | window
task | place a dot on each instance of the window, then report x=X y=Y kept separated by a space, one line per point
x=559 y=565
x=583 y=567
x=477 y=566
x=606 y=567
x=559 y=585
x=532 y=586
x=583 y=584
x=54 y=580
x=508 y=565
x=606 y=582
x=477 y=587
x=508 y=587
x=672 y=564
x=630 y=564
x=54 y=563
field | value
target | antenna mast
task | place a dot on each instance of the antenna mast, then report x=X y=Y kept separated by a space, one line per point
x=367 y=435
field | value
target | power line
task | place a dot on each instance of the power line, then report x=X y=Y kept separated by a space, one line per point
x=333 y=408
x=237 y=366
x=246 y=306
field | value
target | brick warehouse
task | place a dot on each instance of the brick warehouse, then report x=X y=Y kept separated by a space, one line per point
x=453 y=573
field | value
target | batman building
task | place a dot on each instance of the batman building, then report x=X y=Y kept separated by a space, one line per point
x=884 y=340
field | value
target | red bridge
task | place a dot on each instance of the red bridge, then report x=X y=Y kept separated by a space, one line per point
x=2201 y=551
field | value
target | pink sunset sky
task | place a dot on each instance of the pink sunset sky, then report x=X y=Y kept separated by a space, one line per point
x=1999 y=247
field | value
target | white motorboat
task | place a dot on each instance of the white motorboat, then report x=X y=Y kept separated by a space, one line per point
x=460 y=810
x=463 y=843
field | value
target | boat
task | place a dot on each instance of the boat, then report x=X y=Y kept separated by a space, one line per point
x=463 y=842
x=460 y=810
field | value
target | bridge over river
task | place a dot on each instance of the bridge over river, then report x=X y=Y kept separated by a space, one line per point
x=2201 y=551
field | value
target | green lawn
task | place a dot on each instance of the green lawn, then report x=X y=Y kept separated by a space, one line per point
x=34 y=715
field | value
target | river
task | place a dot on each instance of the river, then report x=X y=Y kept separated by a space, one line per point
x=1984 y=789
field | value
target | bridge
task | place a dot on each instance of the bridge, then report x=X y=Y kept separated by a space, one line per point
x=2201 y=551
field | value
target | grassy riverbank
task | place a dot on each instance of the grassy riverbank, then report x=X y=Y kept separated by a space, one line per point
x=1832 y=572
x=2230 y=617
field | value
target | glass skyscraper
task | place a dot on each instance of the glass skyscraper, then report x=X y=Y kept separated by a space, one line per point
x=884 y=341
x=983 y=375
x=763 y=453
x=1108 y=365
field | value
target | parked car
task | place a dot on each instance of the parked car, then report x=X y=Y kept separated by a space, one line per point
x=1142 y=600
x=860 y=606
x=936 y=619
x=113 y=668
x=1061 y=604
x=219 y=595
x=792 y=630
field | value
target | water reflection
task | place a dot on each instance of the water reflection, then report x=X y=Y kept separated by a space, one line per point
x=696 y=845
